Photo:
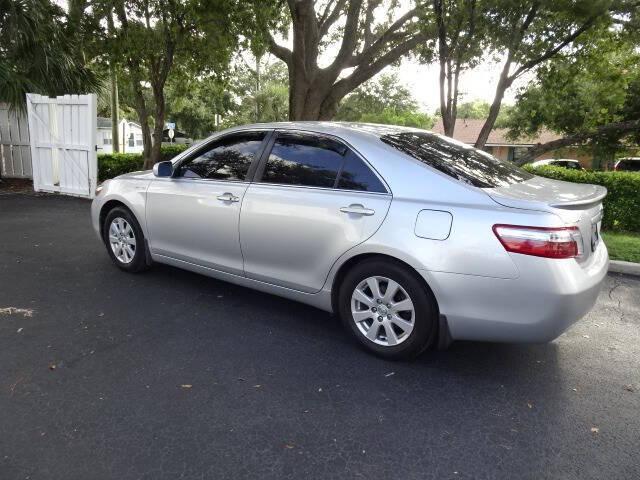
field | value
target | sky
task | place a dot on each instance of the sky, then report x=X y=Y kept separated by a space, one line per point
x=477 y=84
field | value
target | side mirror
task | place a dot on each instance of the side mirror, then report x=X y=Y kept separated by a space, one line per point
x=163 y=169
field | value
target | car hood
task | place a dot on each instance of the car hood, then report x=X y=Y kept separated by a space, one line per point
x=141 y=175
x=552 y=193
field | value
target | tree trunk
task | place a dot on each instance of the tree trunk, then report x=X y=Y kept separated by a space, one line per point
x=503 y=84
x=115 y=126
x=158 y=128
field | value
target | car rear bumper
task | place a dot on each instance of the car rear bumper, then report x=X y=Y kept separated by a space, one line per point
x=547 y=298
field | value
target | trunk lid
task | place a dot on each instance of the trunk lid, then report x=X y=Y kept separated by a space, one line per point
x=575 y=203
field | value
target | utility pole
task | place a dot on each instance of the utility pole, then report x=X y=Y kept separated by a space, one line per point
x=257 y=96
x=115 y=140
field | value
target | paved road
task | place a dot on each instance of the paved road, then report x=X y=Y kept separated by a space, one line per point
x=170 y=375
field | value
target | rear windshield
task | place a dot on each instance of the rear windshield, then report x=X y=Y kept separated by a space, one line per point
x=457 y=160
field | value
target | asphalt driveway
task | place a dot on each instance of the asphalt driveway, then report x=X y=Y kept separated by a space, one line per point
x=168 y=375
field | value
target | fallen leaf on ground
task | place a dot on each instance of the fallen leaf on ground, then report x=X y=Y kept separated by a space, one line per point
x=25 y=312
x=186 y=385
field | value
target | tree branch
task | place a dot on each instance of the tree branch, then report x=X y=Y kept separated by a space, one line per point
x=329 y=19
x=283 y=53
x=365 y=72
x=552 y=51
x=619 y=128
x=389 y=35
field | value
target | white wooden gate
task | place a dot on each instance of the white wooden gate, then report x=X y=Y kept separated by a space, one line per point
x=15 y=155
x=63 y=143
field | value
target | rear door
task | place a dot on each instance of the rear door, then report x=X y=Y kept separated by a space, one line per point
x=314 y=199
x=194 y=215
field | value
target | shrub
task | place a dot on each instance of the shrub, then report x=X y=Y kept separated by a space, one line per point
x=622 y=204
x=113 y=164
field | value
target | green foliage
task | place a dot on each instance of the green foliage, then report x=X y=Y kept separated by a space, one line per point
x=622 y=204
x=193 y=103
x=111 y=165
x=578 y=92
x=384 y=101
x=37 y=53
x=262 y=97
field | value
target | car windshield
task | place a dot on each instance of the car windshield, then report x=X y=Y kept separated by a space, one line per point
x=457 y=160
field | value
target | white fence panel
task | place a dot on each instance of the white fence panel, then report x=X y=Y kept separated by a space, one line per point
x=63 y=143
x=15 y=154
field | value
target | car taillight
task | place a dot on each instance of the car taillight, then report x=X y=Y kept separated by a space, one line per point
x=554 y=242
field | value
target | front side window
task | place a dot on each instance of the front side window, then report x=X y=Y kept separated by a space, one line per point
x=298 y=159
x=226 y=159
x=456 y=159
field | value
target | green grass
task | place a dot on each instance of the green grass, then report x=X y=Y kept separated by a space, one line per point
x=623 y=246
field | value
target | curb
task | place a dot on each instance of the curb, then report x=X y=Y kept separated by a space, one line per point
x=628 y=268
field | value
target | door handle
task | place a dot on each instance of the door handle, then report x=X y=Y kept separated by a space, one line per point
x=358 y=209
x=228 y=197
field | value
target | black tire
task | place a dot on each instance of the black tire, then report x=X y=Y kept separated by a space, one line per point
x=425 y=318
x=139 y=261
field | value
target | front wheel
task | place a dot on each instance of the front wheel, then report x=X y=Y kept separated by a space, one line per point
x=124 y=240
x=388 y=309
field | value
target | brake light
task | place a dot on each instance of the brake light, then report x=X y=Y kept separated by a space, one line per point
x=553 y=242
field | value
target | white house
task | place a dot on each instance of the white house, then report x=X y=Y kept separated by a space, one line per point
x=130 y=136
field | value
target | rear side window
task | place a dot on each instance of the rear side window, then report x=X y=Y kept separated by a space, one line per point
x=298 y=159
x=356 y=175
x=226 y=159
x=457 y=160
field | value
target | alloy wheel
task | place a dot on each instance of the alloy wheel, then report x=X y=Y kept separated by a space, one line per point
x=383 y=311
x=122 y=240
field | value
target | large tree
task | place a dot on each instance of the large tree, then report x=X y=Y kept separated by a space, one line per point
x=337 y=46
x=160 y=38
x=528 y=33
x=461 y=41
x=591 y=96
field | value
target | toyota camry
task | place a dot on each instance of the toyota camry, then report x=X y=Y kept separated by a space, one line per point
x=412 y=238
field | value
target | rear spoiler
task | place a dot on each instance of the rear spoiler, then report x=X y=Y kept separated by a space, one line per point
x=591 y=200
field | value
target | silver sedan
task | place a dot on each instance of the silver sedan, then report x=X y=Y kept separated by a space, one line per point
x=413 y=239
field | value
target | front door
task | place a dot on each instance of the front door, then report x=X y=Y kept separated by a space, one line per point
x=194 y=215
x=315 y=200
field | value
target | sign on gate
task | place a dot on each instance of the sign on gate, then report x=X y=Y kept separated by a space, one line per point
x=62 y=131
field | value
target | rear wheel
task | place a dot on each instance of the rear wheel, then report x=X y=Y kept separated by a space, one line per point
x=124 y=240
x=388 y=309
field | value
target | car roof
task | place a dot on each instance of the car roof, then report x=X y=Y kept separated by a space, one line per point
x=332 y=128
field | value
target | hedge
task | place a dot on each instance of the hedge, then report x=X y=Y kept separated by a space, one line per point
x=622 y=204
x=113 y=164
